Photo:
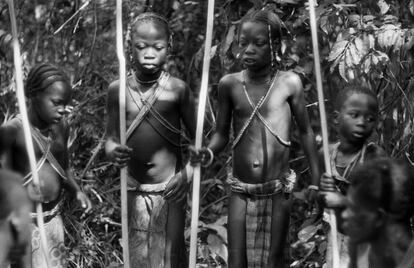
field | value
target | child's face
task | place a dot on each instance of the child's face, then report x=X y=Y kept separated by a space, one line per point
x=50 y=104
x=254 y=45
x=357 y=117
x=149 y=46
x=359 y=220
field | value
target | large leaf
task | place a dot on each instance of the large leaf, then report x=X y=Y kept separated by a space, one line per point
x=225 y=46
x=337 y=49
x=308 y=232
x=342 y=70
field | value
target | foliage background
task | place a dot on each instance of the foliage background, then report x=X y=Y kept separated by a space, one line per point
x=369 y=42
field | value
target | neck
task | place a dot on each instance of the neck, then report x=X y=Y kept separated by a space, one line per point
x=390 y=246
x=347 y=147
x=259 y=76
x=35 y=121
x=146 y=78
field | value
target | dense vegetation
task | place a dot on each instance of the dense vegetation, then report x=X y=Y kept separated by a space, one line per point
x=368 y=42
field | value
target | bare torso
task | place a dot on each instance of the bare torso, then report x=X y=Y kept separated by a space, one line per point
x=260 y=156
x=156 y=152
x=50 y=180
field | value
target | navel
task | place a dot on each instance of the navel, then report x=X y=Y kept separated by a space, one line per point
x=149 y=164
x=256 y=163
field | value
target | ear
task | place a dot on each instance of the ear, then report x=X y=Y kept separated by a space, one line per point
x=335 y=116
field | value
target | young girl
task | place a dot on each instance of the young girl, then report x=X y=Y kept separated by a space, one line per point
x=48 y=91
x=355 y=117
x=259 y=103
x=380 y=203
x=156 y=104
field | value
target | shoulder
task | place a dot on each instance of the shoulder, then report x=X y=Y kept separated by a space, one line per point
x=177 y=84
x=291 y=80
x=373 y=150
x=7 y=174
x=9 y=131
x=230 y=81
x=113 y=87
x=13 y=126
x=331 y=148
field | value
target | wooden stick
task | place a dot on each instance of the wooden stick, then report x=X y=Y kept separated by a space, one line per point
x=324 y=127
x=199 y=133
x=26 y=128
x=122 y=130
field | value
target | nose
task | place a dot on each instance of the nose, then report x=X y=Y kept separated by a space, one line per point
x=361 y=121
x=149 y=53
x=61 y=110
x=249 y=49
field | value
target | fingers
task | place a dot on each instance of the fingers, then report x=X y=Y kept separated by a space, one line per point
x=121 y=155
x=327 y=183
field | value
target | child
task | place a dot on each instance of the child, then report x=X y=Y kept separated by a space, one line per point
x=156 y=102
x=380 y=203
x=260 y=103
x=48 y=91
x=14 y=218
x=355 y=117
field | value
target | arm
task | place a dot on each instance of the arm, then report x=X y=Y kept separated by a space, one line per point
x=70 y=183
x=297 y=103
x=113 y=150
x=220 y=137
x=7 y=133
x=112 y=121
x=176 y=189
x=187 y=110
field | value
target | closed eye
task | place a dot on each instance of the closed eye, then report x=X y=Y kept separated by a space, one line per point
x=140 y=45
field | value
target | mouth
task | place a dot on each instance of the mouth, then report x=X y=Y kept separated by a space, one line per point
x=249 y=61
x=358 y=134
x=57 y=120
x=149 y=66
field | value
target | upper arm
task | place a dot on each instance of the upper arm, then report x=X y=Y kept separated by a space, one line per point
x=224 y=105
x=112 y=109
x=187 y=108
x=298 y=103
x=8 y=134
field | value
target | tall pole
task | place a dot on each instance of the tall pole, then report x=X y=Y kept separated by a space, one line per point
x=324 y=127
x=199 y=133
x=26 y=128
x=122 y=130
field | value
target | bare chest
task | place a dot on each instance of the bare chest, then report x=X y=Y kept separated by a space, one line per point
x=164 y=103
x=57 y=148
x=258 y=101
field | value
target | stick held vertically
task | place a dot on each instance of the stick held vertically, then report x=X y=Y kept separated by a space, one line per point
x=324 y=126
x=26 y=128
x=122 y=130
x=199 y=133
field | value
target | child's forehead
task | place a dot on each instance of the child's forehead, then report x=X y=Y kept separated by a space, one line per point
x=257 y=27
x=57 y=87
x=144 y=27
x=359 y=99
